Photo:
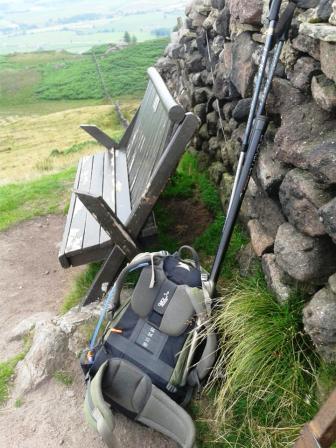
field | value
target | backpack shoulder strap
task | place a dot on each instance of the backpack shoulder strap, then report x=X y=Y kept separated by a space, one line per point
x=122 y=383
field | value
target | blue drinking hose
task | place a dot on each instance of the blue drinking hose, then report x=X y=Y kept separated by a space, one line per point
x=107 y=304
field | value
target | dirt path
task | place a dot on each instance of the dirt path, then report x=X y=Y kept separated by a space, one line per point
x=32 y=281
x=31 y=278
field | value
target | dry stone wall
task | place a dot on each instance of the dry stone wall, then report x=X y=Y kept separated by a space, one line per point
x=290 y=208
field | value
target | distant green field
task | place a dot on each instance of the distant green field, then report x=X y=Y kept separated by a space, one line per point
x=31 y=82
x=124 y=73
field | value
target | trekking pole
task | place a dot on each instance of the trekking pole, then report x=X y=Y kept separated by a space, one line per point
x=255 y=130
x=273 y=19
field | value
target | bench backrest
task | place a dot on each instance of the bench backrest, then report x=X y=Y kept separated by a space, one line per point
x=154 y=125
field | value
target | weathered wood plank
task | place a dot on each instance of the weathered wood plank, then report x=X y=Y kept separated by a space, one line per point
x=123 y=201
x=76 y=233
x=100 y=136
x=160 y=176
x=321 y=431
x=109 y=193
x=107 y=274
x=62 y=252
x=110 y=222
x=92 y=227
x=147 y=142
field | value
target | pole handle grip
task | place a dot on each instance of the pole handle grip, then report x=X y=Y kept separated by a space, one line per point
x=285 y=22
x=274 y=10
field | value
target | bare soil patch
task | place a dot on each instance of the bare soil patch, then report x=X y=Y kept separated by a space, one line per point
x=190 y=218
x=31 y=278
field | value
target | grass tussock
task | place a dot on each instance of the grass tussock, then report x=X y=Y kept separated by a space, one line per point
x=64 y=377
x=80 y=287
x=7 y=371
x=267 y=366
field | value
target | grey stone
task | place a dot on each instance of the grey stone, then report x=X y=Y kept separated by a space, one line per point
x=212 y=122
x=289 y=56
x=242 y=110
x=216 y=172
x=218 y=44
x=197 y=80
x=275 y=278
x=222 y=23
x=200 y=111
x=322 y=162
x=307 y=4
x=304 y=258
x=194 y=63
x=261 y=241
x=228 y=109
x=328 y=216
x=230 y=151
x=196 y=19
x=332 y=18
x=218 y=4
x=324 y=10
x=332 y=283
x=203 y=132
x=321 y=31
x=209 y=22
x=324 y=92
x=303 y=128
x=43 y=359
x=246 y=11
x=319 y=318
x=201 y=95
x=283 y=97
x=248 y=261
x=224 y=89
x=243 y=68
x=308 y=45
x=26 y=326
x=301 y=197
x=175 y=51
x=328 y=59
x=304 y=70
x=270 y=171
x=226 y=188
x=185 y=36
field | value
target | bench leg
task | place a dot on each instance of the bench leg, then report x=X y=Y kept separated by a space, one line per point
x=107 y=274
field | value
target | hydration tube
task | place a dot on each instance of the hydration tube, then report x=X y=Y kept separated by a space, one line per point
x=107 y=304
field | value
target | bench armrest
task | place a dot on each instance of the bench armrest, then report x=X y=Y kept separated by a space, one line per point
x=100 y=136
x=106 y=217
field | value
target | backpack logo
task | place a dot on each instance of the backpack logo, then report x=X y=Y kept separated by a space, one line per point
x=164 y=300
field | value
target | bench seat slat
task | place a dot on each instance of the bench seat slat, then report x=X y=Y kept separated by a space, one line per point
x=123 y=201
x=76 y=233
x=92 y=228
x=108 y=188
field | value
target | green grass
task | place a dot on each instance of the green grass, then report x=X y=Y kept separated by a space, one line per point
x=18 y=403
x=124 y=73
x=80 y=288
x=30 y=83
x=64 y=377
x=7 y=371
x=26 y=200
x=269 y=367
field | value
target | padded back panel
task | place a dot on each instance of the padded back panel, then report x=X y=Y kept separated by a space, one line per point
x=126 y=385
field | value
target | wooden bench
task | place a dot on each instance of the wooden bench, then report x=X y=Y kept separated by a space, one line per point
x=115 y=191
